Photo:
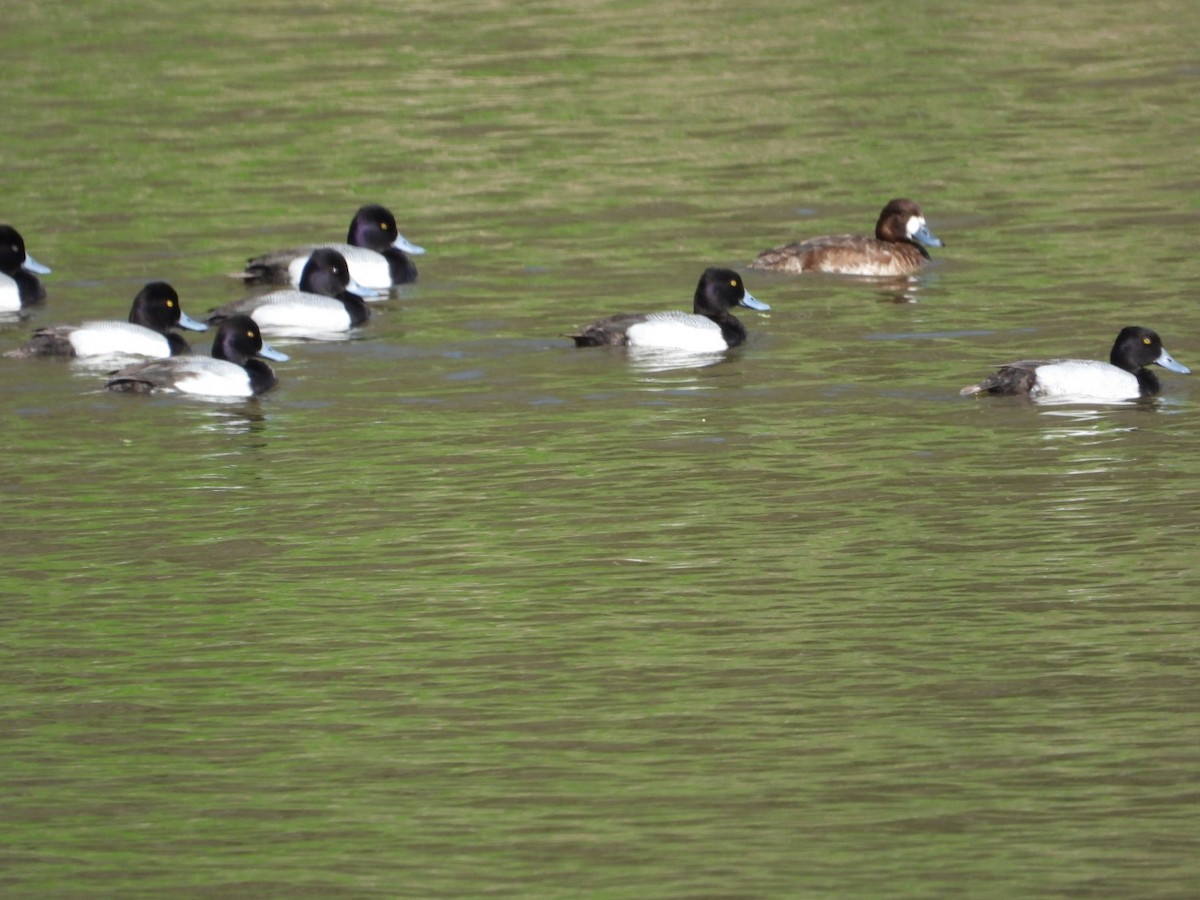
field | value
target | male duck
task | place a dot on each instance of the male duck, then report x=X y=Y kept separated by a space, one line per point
x=709 y=328
x=895 y=250
x=231 y=371
x=377 y=253
x=19 y=284
x=327 y=301
x=1123 y=377
x=154 y=313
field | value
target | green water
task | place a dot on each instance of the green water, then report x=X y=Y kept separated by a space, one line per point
x=460 y=611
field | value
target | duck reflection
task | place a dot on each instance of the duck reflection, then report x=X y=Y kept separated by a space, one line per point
x=898 y=290
x=233 y=417
x=648 y=361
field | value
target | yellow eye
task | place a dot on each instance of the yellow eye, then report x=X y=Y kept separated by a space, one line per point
x=1146 y=340
x=170 y=303
x=250 y=334
x=733 y=283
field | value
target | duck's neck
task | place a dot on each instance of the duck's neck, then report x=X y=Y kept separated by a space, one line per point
x=356 y=308
x=29 y=288
x=178 y=345
x=401 y=267
x=733 y=331
x=1147 y=382
x=262 y=376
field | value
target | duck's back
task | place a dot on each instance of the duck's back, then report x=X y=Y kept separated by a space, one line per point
x=610 y=332
x=275 y=267
x=843 y=254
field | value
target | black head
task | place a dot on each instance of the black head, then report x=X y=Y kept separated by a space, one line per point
x=326 y=272
x=373 y=227
x=238 y=340
x=12 y=249
x=1136 y=347
x=719 y=290
x=156 y=307
x=13 y=262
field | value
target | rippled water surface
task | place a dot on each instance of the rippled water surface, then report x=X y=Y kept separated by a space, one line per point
x=459 y=610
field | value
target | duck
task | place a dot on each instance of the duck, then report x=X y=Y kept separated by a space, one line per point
x=378 y=255
x=709 y=328
x=155 y=311
x=328 y=300
x=1123 y=377
x=19 y=284
x=233 y=370
x=895 y=250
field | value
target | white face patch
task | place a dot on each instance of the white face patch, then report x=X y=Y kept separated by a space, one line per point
x=915 y=224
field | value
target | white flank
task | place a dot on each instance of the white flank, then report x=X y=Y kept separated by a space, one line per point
x=211 y=377
x=677 y=331
x=299 y=309
x=10 y=295
x=105 y=338
x=1087 y=379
